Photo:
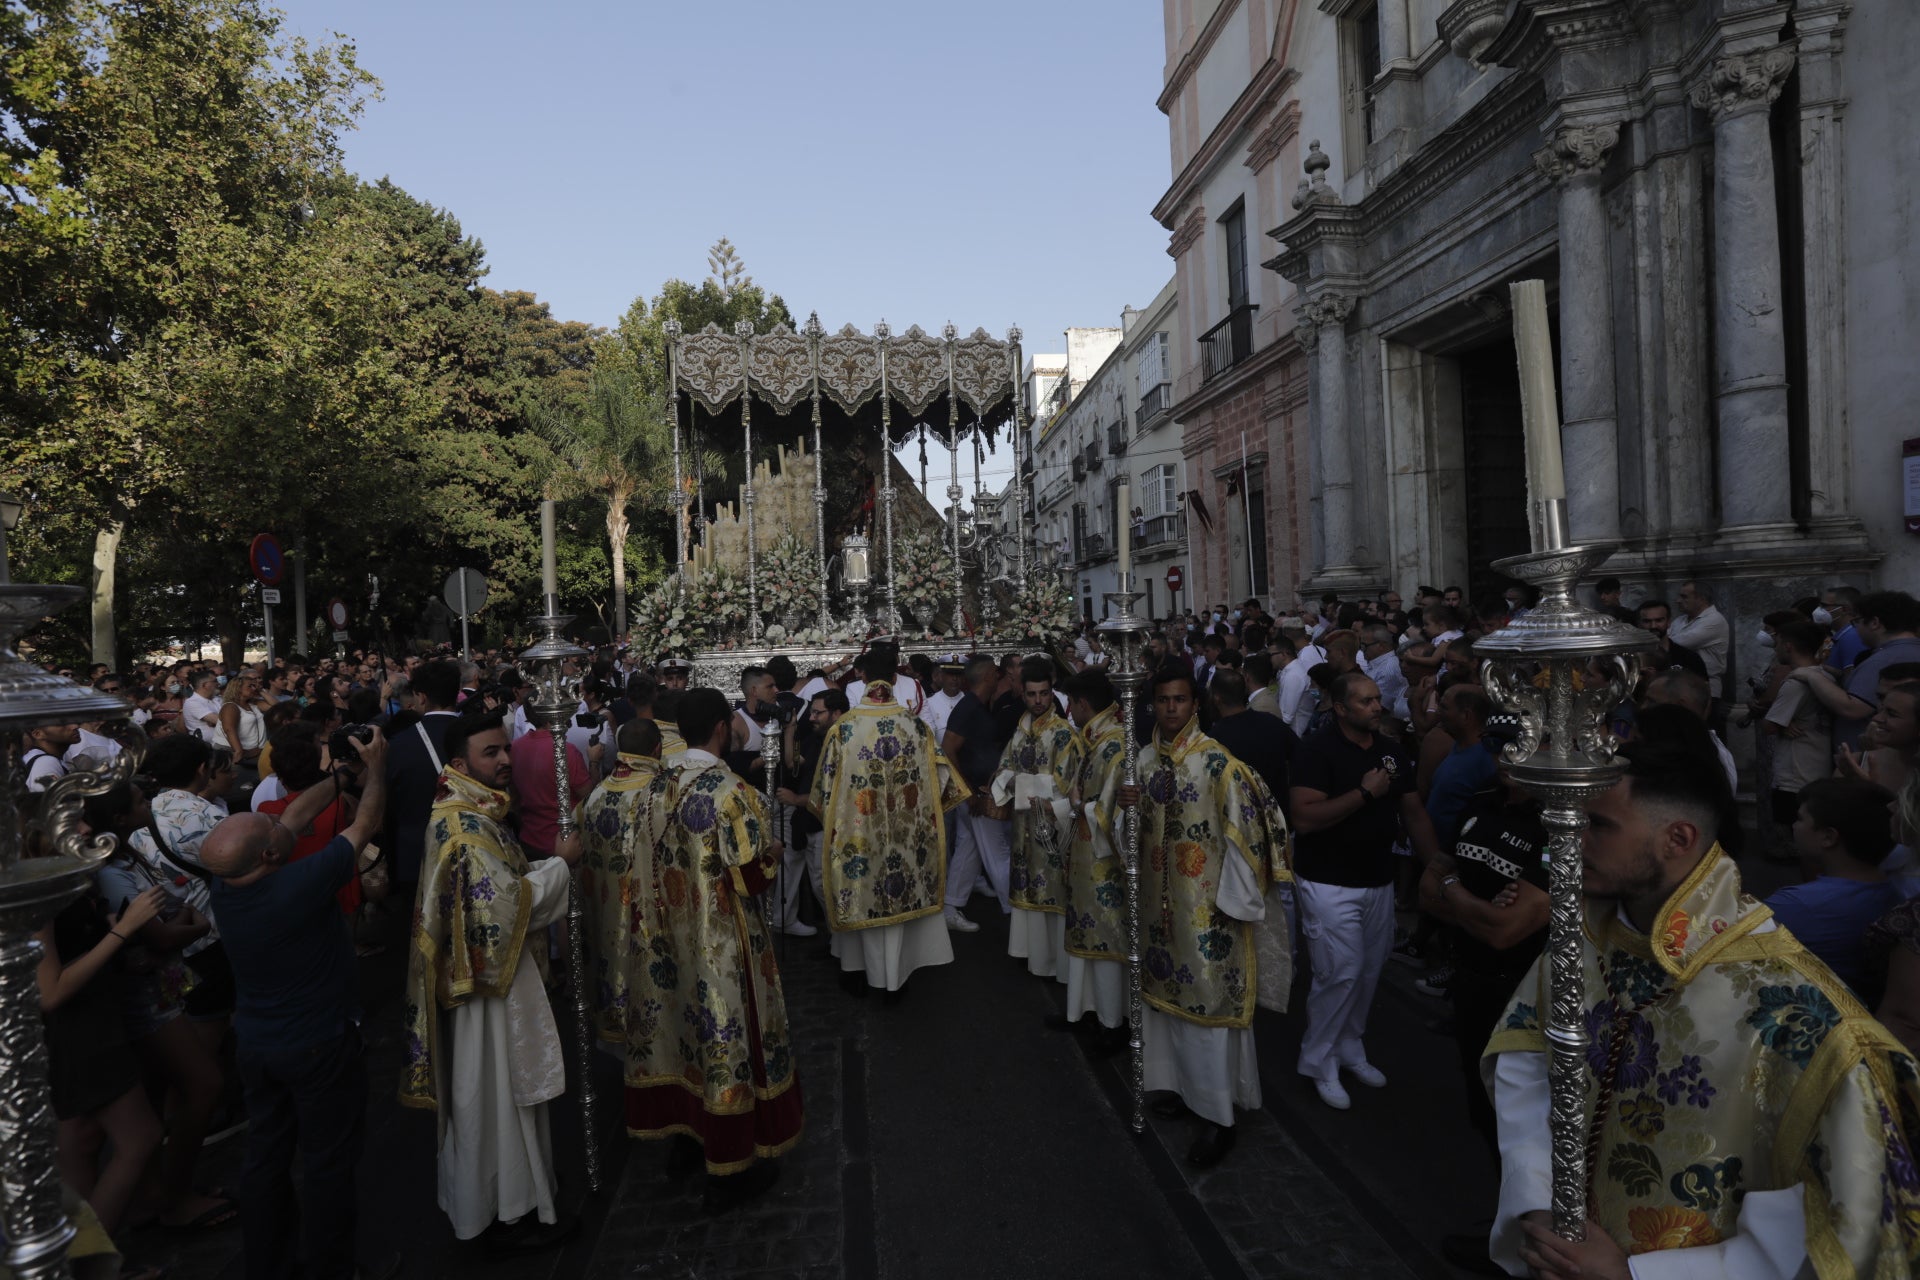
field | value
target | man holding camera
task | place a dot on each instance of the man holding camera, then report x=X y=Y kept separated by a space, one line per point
x=296 y=1020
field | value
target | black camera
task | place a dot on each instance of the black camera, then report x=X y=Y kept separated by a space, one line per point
x=587 y=720
x=337 y=743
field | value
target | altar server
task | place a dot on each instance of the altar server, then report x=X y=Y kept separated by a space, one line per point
x=1096 y=892
x=613 y=825
x=1037 y=772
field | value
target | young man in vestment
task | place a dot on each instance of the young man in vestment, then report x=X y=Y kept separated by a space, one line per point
x=1037 y=772
x=881 y=792
x=708 y=1051
x=1749 y=1117
x=1096 y=881
x=482 y=1047
x=1212 y=846
x=613 y=820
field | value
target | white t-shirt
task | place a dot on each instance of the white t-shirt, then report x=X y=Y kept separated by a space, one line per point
x=195 y=712
x=937 y=709
x=42 y=768
x=270 y=789
x=95 y=747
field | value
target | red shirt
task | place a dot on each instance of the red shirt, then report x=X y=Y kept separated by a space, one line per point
x=534 y=789
x=331 y=822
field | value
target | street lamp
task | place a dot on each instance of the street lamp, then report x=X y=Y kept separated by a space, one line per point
x=11 y=509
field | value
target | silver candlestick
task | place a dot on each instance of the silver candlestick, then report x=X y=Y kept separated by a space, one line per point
x=33 y=1225
x=770 y=766
x=1125 y=637
x=1562 y=668
x=552 y=707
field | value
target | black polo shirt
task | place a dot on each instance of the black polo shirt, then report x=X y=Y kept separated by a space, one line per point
x=1498 y=843
x=1356 y=852
x=981 y=741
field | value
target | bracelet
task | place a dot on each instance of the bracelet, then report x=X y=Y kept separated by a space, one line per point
x=123 y=937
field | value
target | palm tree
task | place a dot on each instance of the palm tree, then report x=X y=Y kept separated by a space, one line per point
x=612 y=445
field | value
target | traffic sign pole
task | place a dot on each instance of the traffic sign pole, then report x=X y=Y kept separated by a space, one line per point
x=466 y=646
x=266 y=612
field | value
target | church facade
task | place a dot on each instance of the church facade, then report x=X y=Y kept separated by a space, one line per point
x=1711 y=191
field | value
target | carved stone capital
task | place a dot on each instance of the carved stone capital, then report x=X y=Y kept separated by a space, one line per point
x=1743 y=82
x=1190 y=231
x=1576 y=150
x=1318 y=312
x=1469 y=26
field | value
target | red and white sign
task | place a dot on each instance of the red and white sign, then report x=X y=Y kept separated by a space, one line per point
x=1174 y=578
x=337 y=613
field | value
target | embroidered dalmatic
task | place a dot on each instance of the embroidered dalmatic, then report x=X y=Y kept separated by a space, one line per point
x=613 y=827
x=1096 y=880
x=1212 y=844
x=881 y=791
x=708 y=1052
x=482 y=1048
x=1038 y=768
x=1739 y=1098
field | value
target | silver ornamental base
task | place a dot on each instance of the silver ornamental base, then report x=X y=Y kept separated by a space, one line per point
x=770 y=763
x=1562 y=668
x=552 y=707
x=33 y=890
x=1124 y=636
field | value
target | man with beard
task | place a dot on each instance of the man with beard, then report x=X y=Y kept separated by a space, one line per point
x=880 y=791
x=1036 y=776
x=1744 y=1107
x=708 y=1051
x=482 y=1047
x=1212 y=844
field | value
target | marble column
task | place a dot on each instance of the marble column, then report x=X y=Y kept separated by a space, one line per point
x=1323 y=332
x=1750 y=343
x=1590 y=428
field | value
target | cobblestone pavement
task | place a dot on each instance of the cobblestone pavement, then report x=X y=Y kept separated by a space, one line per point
x=953 y=1135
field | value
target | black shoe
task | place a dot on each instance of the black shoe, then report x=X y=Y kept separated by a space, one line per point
x=1469 y=1253
x=892 y=998
x=1109 y=1042
x=1211 y=1149
x=684 y=1155
x=1057 y=1022
x=529 y=1234
x=725 y=1194
x=1169 y=1107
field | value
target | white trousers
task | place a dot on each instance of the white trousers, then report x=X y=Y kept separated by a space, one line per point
x=980 y=844
x=1213 y=1069
x=1099 y=987
x=798 y=864
x=1349 y=935
x=1039 y=938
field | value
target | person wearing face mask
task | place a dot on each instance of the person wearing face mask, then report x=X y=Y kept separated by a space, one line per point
x=1836 y=611
x=1888 y=621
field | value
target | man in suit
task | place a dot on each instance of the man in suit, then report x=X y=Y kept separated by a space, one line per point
x=414 y=761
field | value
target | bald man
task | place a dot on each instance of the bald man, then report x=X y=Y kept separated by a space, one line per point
x=296 y=1021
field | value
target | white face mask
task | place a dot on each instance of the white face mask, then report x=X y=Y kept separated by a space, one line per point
x=1823 y=616
x=1766 y=638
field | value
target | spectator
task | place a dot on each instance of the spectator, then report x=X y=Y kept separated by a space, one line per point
x=1702 y=628
x=1257 y=742
x=201 y=711
x=982 y=838
x=1297 y=703
x=1380 y=659
x=1800 y=725
x=536 y=788
x=298 y=751
x=413 y=762
x=1888 y=621
x=243 y=729
x=95 y=1079
x=1468 y=768
x=1353 y=799
x=1841 y=832
x=1677 y=688
x=1258 y=670
x=297 y=1025
x=45 y=754
x=1836 y=611
x=1657 y=616
x=1608 y=591
x=1892 y=739
x=154 y=1004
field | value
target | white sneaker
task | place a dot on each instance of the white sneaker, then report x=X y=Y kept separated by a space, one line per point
x=798 y=929
x=1332 y=1094
x=1366 y=1073
x=959 y=923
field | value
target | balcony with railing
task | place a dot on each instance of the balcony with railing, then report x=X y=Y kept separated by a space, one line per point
x=1055 y=491
x=1161 y=532
x=1093 y=456
x=1229 y=342
x=1090 y=548
x=1116 y=438
x=1158 y=400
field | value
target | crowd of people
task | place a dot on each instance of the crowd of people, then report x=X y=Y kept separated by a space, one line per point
x=1323 y=787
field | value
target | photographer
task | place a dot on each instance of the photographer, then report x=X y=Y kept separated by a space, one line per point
x=591 y=733
x=297 y=1021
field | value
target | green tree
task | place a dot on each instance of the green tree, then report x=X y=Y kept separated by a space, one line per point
x=612 y=448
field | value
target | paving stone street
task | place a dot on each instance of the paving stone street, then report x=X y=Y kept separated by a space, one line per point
x=953 y=1135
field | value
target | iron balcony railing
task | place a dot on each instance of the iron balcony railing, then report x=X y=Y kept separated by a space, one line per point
x=1229 y=342
x=1156 y=402
x=1158 y=531
x=1116 y=438
x=1055 y=490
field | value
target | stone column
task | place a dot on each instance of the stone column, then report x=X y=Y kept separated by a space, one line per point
x=1589 y=429
x=1749 y=335
x=1323 y=332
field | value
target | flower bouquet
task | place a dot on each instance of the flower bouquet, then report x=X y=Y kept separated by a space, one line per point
x=922 y=576
x=1042 y=613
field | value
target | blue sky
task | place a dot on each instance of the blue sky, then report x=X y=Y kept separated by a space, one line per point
x=989 y=163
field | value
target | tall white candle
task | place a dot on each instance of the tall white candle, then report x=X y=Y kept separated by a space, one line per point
x=1539 y=403
x=1123 y=496
x=549 y=570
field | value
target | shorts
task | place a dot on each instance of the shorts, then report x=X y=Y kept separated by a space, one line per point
x=213 y=995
